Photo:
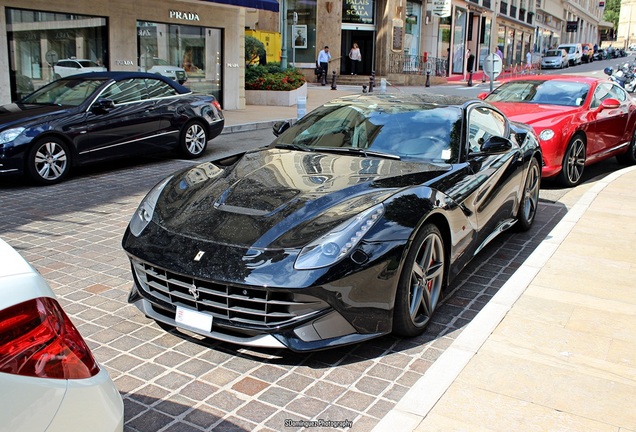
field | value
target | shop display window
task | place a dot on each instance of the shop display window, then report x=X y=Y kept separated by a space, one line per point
x=39 y=40
x=190 y=55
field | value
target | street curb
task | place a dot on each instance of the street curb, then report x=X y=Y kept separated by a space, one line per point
x=429 y=389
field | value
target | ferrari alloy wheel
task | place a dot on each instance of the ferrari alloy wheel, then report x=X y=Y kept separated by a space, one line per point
x=194 y=140
x=48 y=161
x=573 y=162
x=421 y=283
x=629 y=158
x=530 y=198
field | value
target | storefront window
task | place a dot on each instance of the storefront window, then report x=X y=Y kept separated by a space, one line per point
x=459 y=25
x=188 y=54
x=412 y=28
x=301 y=42
x=39 y=40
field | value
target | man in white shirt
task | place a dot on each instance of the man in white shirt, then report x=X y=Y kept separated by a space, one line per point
x=323 y=62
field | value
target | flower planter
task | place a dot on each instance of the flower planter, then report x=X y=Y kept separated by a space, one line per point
x=275 y=97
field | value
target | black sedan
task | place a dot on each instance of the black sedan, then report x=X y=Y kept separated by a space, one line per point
x=102 y=115
x=350 y=225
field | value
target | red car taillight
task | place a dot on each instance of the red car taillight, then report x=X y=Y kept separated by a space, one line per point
x=37 y=339
x=217 y=105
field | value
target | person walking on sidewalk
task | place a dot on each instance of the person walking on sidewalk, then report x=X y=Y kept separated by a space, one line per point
x=323 y=62
x=355 y=57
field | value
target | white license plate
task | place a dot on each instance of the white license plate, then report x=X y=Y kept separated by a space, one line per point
x=194 y=319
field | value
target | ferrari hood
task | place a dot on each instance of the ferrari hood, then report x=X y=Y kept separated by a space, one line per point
x=280 y=198
x=530 y=113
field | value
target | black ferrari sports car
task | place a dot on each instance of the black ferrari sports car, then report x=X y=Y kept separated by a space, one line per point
x=350 y=225
x=103 y=115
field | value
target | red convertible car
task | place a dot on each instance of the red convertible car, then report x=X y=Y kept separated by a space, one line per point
x=579 y=120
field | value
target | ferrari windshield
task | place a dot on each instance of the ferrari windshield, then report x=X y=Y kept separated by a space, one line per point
x=71 y=91
x=406 y=131
x=549 y=92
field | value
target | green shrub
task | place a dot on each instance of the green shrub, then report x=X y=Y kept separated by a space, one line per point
x=253 y=50
x=271 y=77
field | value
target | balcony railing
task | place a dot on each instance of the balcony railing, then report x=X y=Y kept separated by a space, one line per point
x=415 y=65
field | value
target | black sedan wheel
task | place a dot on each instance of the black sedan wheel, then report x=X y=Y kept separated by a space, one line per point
x=530 y=199
x=194 y=140
x=49 y=161
x=421 y=283
x=629 y=158
x=573 y=162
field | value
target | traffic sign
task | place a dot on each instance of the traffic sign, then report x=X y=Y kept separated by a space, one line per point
x=51 y=57
x=492 y=65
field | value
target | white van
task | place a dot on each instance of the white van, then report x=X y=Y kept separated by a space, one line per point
x=575 y=52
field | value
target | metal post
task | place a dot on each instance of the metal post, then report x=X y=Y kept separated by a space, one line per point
x=371 y=81
x=283 y=15
x=333 y=80
x=428 y=74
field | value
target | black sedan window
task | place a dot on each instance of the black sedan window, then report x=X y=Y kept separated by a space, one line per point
x=427 y=132
x=70 y=92
x=125 y=91
x=551 y=92
x=159 y=89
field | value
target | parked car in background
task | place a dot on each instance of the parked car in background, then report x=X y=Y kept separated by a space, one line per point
x=103 y=115
x=74 y=66
x=600 y=54
x=349 y=226
x=575 y=52
x=588 y=53
x=555 y=58
x=49 y=378
x=579 y=120
x=162 y=67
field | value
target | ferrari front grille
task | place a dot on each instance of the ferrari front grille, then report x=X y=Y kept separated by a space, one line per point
x=241 y=305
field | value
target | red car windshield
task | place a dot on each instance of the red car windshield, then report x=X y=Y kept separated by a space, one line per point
x=551 y=92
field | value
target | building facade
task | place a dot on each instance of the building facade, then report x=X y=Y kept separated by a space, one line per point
x=202 y=38
x=440 y=29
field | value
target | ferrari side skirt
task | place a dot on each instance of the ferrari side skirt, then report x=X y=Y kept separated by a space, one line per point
x=503 y=226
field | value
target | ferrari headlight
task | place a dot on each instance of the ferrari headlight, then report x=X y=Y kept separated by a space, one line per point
x=146 y=209
x=546 y=134
x=337 y=243
x=10 y=135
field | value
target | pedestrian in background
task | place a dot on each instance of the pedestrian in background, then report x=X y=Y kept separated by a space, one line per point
x=499 y=53
x=323 y=62
x=355 y=57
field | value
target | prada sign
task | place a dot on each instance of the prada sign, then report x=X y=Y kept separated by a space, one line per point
x=186 y=16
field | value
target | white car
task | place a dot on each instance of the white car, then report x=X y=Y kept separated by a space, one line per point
x=49 y=379
x=74 y=66
x=162 y=67
x=555 y=58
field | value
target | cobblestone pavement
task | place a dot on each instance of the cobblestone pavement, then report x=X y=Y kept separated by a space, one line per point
x=171 y=381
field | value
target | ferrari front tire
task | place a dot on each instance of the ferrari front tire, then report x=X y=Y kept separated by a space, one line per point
x=573 y=162
x=421 y=283
x=530 y=197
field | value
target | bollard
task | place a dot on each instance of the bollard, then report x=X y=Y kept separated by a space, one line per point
x=428 y=78
x=301 y=107
x=364 y=88
x=333 y=81
x=371 y=81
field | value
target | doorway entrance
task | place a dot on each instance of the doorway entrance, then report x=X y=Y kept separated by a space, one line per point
x=366 y=42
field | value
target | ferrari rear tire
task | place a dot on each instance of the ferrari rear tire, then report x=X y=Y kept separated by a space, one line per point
x=421 y=283
x=530 y=198
x=49 y=161
x=194 y=140
x=629 y=158
x=573 y=161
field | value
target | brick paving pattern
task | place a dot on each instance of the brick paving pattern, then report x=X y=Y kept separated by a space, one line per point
x=177 y=382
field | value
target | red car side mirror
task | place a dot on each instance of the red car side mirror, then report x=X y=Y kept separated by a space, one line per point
x=610 y=103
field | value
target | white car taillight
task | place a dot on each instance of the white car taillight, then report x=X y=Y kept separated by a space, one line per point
x=38 y=339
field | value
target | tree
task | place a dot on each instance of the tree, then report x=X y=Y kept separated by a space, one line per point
x=612 y=12
x=254 y=49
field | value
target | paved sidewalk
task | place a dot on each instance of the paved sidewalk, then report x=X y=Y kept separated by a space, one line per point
x=555 y=348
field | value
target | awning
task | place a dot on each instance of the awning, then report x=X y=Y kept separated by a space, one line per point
x=270 y=5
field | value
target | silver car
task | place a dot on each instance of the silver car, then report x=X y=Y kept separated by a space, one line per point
x=555 y=59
